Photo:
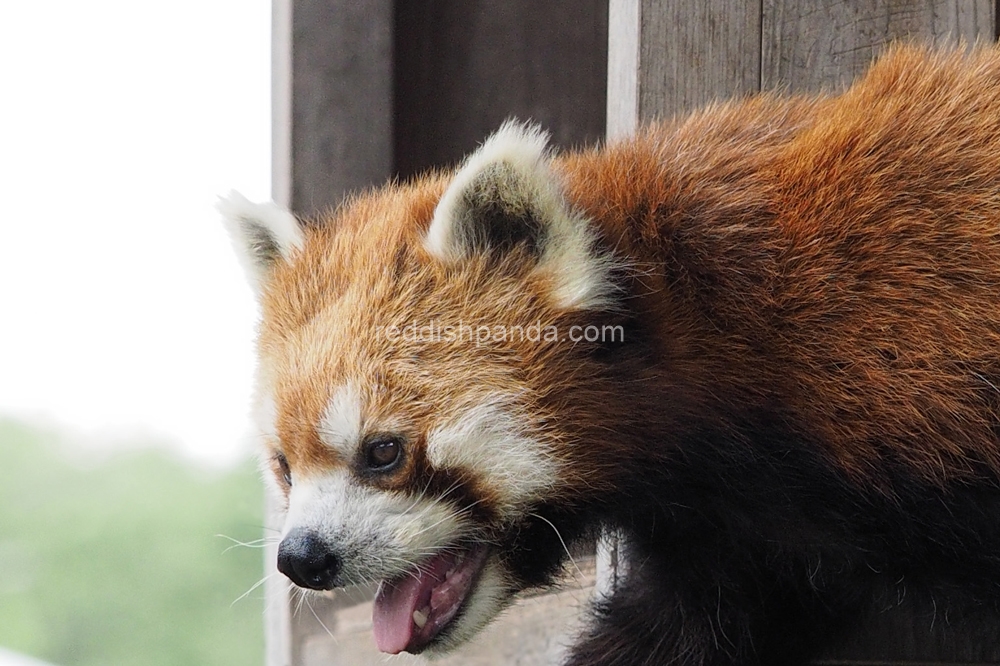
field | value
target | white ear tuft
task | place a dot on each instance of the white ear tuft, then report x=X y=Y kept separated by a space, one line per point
x=504 y=196
x=263 y=233
x=489 y=201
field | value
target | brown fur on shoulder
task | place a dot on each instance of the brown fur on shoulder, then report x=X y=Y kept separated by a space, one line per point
x=842 y=254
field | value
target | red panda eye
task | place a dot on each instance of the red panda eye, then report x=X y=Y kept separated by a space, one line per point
x=383 y=452
x=286 y=472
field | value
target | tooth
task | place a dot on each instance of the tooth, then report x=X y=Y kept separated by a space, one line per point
x=419 y=619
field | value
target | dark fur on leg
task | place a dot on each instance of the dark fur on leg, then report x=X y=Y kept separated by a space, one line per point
x=655 y=618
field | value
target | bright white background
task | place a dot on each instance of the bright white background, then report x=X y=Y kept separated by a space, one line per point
x=123 y=312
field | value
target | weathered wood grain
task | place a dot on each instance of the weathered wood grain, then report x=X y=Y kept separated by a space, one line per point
x=333 y=89
x=465 y=66
x=672 y=56
x=824 y=44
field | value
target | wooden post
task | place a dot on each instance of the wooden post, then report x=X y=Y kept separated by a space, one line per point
x=278 y=603
x=670 y=56
x=332 y=99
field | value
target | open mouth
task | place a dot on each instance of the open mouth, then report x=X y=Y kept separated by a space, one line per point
x=412 y=610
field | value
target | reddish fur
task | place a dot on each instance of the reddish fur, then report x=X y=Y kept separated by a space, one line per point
x=836 y=262
x=853 y=246
x=825 y=266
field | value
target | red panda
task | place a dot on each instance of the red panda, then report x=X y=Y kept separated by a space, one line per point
x=762 y=342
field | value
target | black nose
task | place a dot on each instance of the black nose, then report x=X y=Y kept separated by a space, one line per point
x=307 y=560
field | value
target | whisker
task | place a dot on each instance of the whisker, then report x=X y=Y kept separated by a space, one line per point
x=563 y=542
x=252 y=588
x=316 y=615
x=457 y=513
x=435 y=502
x=263 y=542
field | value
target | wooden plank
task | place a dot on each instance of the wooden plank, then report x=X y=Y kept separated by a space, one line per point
x=281 y=101
x=465 y=66
x=808 y=46
x=696 y=51
x=671 y=56
x=333 y=100
x=277 y=607
x=623 y=67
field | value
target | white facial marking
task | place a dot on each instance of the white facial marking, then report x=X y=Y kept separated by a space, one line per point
x=487 y=440
x=341 y=425
x=303 y=495
x=378 y=534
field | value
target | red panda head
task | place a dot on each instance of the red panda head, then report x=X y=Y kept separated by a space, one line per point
x=417 y=361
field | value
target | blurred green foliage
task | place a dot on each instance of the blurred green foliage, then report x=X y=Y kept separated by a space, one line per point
x=117 y=561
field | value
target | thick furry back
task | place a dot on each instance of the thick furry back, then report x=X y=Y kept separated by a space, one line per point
x=839 y=256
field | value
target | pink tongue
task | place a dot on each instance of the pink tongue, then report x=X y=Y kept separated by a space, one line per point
x=437 y=589
x=392 y=613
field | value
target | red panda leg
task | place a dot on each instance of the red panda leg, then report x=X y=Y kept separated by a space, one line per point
x=657 y=618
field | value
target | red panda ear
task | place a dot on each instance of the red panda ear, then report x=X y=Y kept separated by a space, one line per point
x=506 y=195
x=262 y=233
x=503 y=196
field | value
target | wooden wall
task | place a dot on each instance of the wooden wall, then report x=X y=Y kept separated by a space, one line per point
x=671 y=56
x=365 y=90
x=369 y=89
x=463 y=67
